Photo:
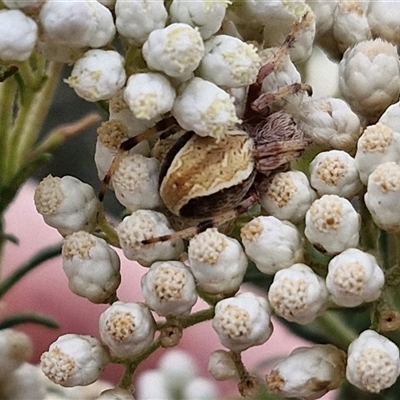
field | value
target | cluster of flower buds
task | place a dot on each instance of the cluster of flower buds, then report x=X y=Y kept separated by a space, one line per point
x=323 y=223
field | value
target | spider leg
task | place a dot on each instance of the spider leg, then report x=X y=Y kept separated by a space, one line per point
x=262 y=103
x=283 y=50
x=164 y=127
x=217 y=221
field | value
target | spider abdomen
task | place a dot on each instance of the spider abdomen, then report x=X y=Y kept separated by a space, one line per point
x=201 y=177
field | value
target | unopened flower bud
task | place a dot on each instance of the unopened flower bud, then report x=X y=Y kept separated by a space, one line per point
x=19 y=34
x=205 y=108
x=272 y=244
x=221 y=365
x=67 y=204
x=206 y=16
x=98 y=75
x=354 y=277
x=288 y=196
x=369 y=77
x=217 y=261
x=126 y=328
x=79 y=24
x=135 y=182
x=377 y=144
x=330 y=123
x=146 y=224
x=382 y=19
x=92 y=267
x=169 y=288
x=350 y=24
x=335 y=172
x=242 y=321
x=229 y=62
x=382 y=197
x=74 y=360
x=298 y=294
x=135 y=20
x=149 y=95
x=308 y=372
x=15 y=349
x=175 y=50
x=373 y=362
x=332 y=224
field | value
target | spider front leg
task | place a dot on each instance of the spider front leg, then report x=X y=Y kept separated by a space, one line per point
x=216 y=221
x=263 y=102
x=166 y=126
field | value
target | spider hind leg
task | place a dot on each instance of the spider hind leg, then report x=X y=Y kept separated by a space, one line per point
x=216 y=221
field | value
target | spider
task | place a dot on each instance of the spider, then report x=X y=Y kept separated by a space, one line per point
x=216 y=181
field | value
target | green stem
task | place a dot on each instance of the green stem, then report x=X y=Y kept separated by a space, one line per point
x=28 y=318
x=40 y=257
x=336 y=330
x=130 y=367
x=30 y=118
x=7 y=102
x=109 y=233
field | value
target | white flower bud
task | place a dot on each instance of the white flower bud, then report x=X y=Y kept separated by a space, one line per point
x=217 y=261
x=272 y=244
x=77 y=24
x=369 y=77
x=135 y=20
x=308 y=372
x=26 y=382
x=115 y=394
x=146 y=224
x=221 y=365
x=110 y=135
x=205 y=108
x=373 y=362
x=383 y=17
x=149 y=95
x=324 y=12
x=74 y=360
x=200 y=388
x=330 y=123
x=98 y=75
x=298 y=294
x=92 y=267
x=135 y=182
x=151 y=385
x=175 y=50
x=391 y=116
x=15 y=349
x=332 y=224
x=67 y=204
x=205 y=15
x=178 y=368
x=169 y=288
x=229 y=62
x=350 y=24
x=288 y=196
x=126 y=328
x=377 y=144
x=18 y=35
x=354 y=277
x=335 y=172
x=242 y=321
x=382 y=197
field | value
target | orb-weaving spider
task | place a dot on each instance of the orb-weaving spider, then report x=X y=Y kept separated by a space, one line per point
x=215 y=181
